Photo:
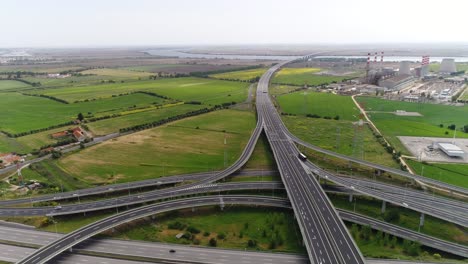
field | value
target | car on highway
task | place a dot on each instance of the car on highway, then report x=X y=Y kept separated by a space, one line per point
x=172 y=251
x=58 y=207
x=301 y=156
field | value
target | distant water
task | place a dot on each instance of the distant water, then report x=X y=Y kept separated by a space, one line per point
x=400 y=58
x=181 y=54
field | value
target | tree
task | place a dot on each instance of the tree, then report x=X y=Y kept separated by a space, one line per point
x=82 y=145
x=213 y=242
x=80 y=117
x=465 y=128
x=452 y=127
x=56 y=154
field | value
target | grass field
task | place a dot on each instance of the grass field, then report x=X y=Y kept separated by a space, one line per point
x=456 y=174
x=323 y=104
x=244 y=75
x=427 y=125
x=304 y=76
x=190 y=145
x=339 y=136
x=20 y=113
x=11 y=145
x=112 y=125
x=123 y=73
x=189 y=89
x=12 y=85
x=238 y=224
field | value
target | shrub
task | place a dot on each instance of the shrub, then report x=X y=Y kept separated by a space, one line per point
x=206 y=233
x=193 y=230
x=251 y=243
x=213 y=242
x=221 y=236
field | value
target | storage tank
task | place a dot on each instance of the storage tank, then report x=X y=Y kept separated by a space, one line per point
x=404 y=68
x=448 y=66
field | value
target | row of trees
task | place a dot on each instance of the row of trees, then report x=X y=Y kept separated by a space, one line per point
x=48 y=97
x=34 y=131
x=166 y=120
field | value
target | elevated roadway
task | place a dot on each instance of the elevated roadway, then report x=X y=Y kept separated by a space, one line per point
x=325 y=237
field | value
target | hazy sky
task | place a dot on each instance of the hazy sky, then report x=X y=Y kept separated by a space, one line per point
x=33 y=23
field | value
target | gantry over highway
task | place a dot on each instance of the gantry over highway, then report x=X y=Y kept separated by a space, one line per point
x=325 y=236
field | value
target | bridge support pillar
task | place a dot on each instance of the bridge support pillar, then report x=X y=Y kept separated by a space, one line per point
x=384 y=206
x=421 y=220
x=350 y=198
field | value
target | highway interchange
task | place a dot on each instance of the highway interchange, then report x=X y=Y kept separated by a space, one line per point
x=325 y=236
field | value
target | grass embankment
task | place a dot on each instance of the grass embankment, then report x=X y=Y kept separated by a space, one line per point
x=456 y=174
x=190 y=145
x=304 y=76
x=244 y=75
x=337 y=133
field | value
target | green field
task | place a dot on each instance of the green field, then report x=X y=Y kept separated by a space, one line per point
x=12 y=85
x=304 y=76
x=339 y=136
x=427 y=125
x=112 y=125
x=456 y=174
x=238 y=224
x=245 y=75
x=188 y=89
x=322 y=104
x=112 y=73
x=190 y=145
x=20 y=113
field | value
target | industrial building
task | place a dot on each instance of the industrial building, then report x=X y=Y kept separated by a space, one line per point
x=451 y=150
x=405 y=68
x=397 y=82
x=448 y=66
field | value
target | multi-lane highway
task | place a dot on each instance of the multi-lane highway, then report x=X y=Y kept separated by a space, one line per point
x=138 y=199
x=451 y=211
x=325 y=236
x=157 y=251
x=129 y=186
x=51 y=250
